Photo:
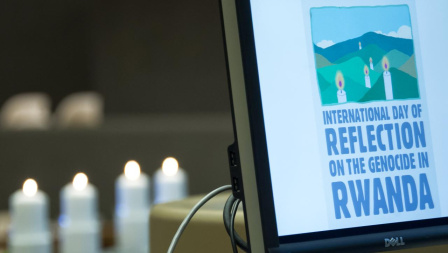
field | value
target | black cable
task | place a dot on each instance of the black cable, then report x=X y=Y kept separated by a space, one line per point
x=232 y=224
x=227 y=217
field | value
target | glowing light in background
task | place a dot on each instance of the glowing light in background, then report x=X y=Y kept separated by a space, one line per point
x=80 y=181
x=132 y=170
x=170 y=166
x=30 y=187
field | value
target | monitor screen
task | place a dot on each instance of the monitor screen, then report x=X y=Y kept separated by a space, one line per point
x=353 y=98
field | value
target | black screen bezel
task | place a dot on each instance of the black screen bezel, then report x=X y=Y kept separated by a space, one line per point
x=261 y=159
x=256 y=121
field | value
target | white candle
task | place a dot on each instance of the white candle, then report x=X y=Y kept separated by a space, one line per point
x=387 y=79
x=29 y=232
x=80 y=229
x=388 y=85
x=342 y=96
x=132 y=209
x=367 y=77
x=371 y=63
x=360 y=46
x=170 y=182
x=340 y=84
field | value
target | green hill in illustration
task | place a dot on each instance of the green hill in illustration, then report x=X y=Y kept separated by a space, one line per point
x=353 y=68
x=369 y=51
x=323 y=84
x=376 y=93
x=385 y=43
x=396 y=59
x=409 y=67
x=404 y=86
x=321 y=61
x=354 y=91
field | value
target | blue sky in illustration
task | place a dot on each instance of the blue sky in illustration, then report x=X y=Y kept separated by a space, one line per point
x=338 y=24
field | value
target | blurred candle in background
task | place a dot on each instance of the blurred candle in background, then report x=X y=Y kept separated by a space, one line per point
x=29 y=231
x=132 y=210
x=80 y=229
x=170 y=182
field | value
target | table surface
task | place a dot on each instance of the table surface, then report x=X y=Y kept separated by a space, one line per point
x=172 y=214
x=205 y=232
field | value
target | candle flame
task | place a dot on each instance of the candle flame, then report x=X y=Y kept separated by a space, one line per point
x=340 y=83
x=80 y=181
x=132 y=170
x=370 y=60
x=170 y=166
x=30 y=187
x=366 y=70
x=386 y=64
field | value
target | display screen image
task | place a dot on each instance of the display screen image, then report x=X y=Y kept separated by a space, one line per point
x=353 y=102
x=350 y=65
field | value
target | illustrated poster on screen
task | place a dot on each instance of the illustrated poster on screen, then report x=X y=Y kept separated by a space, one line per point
x=375 y=141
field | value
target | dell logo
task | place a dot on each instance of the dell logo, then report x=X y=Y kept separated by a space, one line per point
x=393 y=242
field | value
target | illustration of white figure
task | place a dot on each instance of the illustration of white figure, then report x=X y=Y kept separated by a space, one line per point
x=367 y=76
x=360 y=46
x=340 y=83
x=371 y=63
x=387 y=79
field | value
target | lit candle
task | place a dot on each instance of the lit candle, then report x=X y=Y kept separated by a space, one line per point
x=340 y=83
x=132 y=209
x=387 y=79
x=367 y=77
x=360 y=45
x=80 y=229
x=371 y=63
x=29 y=230
x=170 y=182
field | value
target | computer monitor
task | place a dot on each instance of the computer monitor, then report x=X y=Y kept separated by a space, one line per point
x=340 y=110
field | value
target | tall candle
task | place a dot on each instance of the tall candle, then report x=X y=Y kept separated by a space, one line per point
x=132 y=209
x=367 y=77
x=387 y=79
x=371 y=63
x=80 y=229
x=170 y=182
x=29 y=231
x=340 y=84
x=360 y=45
